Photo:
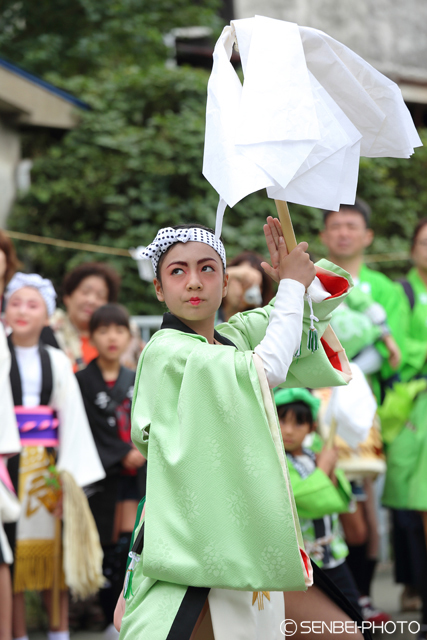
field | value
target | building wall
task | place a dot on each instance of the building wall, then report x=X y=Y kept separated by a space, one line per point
x=9 y=160
x=390 y=34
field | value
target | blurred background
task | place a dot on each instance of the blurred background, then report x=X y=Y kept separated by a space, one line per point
x=102 y=109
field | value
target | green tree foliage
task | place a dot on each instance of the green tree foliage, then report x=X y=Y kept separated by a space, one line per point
x=134 y=163
x=76 y=37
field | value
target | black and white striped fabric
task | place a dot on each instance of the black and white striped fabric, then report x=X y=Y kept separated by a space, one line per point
x=169 y=236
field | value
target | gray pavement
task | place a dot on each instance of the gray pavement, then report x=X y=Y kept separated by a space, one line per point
x=386 y=596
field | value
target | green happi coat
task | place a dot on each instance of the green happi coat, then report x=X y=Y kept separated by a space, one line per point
x=391 y=297
x=220 y=512
x=317 y=496
x=404 y=415
x=416 y=363
x=404 y=421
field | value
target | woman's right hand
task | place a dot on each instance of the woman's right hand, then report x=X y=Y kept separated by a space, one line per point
x=295 y=265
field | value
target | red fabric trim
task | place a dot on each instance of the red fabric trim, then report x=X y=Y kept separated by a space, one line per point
x=335 y=285
x=332 y=355
x=306 y=561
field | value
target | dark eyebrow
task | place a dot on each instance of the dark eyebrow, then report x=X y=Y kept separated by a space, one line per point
x=185 y=264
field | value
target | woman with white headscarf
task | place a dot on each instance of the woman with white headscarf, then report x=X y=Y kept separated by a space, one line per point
x=53 y=428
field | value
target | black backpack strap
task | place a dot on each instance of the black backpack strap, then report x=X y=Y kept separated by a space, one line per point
x=409 y=292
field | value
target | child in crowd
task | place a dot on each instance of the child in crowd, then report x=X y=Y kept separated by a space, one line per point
x=219 y=513
x=107 y=389
x=321 y=491
x=51 y=418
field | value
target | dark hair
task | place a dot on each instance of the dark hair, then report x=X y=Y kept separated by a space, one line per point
x=73 y=278
x=301 y=411
x=420 y=226
x=12 y=262
x=194 y=225
x=360 y=206
x=107 y=315
x=255 y=260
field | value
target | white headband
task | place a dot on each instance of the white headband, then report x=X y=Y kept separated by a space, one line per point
x=168 y=236
x=43 y=286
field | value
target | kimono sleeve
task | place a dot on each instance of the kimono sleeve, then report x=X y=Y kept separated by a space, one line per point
x=77 y=449
x=328 y=366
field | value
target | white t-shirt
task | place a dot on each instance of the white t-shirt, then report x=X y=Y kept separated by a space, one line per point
x=30 y=369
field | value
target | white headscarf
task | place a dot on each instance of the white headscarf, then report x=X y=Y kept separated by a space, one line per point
x=168 y=236
x=43 y=286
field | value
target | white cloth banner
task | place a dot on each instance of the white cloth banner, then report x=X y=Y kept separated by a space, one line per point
x=353 y=407
x=308 y=108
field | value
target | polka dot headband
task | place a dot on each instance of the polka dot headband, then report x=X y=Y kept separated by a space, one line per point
x=168 y=236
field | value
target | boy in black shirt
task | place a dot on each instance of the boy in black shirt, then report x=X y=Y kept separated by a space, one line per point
x=107 y=389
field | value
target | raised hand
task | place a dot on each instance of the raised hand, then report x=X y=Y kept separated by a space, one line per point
x=295 y=265
x=272 y=232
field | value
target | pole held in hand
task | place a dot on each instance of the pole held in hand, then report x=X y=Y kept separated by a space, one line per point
x=286 y=222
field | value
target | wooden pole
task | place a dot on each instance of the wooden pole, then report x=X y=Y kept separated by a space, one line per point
x=332 y=433
x=55 y=614
x=286 y=222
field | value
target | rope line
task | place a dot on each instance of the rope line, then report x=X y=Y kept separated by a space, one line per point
x=401 y=256
x=66 y=244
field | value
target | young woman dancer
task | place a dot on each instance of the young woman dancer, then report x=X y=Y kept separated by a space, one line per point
x=220 y=513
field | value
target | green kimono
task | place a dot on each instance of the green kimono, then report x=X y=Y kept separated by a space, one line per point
x=415 y=362
x=220 y=511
